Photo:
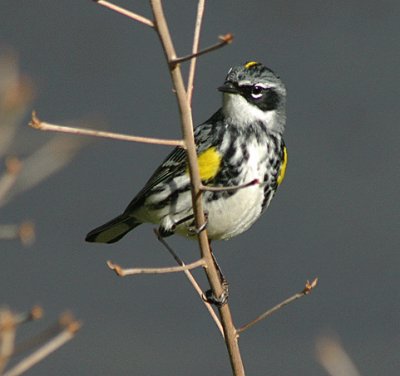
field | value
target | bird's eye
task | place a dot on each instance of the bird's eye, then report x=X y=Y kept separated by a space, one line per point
x=256 y=91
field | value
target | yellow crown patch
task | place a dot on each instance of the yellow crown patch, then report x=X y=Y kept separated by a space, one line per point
x=250 y=64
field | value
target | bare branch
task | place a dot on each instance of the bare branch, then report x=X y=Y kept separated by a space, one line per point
x=224 y=40
x=307 y=290
x=173 y=269
x=187 y=131
x=125 y=12
x=195 y=49
x=38 y=124
x=227 y=189
x=191 y=279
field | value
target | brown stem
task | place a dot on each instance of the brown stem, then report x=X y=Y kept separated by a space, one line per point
x=187 y=130
x=173 y=269
x=195 y=49
x=307 y=290
x=224 y=40
x=125 y=12
x=38 y=124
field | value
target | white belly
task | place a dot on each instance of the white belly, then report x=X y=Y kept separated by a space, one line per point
x=231 y=216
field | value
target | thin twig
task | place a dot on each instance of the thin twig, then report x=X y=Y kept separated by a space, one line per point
x=38 y=124
x=192 y=280
x=125 y=12
x=233 y=188
x=307 y=290
x=223 y=40
x=195 y=49
x=67 y=334
x=172 y=269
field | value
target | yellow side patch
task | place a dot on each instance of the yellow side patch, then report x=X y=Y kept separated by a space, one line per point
x=209 y=162
x=250 y=64
x=282 y=170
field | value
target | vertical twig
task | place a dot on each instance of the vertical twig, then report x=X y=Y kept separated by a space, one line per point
x=195 y=48
x=187 y=130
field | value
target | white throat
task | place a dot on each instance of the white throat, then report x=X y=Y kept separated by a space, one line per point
x=241 y=113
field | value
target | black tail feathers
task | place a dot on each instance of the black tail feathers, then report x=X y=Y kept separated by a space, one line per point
x=113 y=230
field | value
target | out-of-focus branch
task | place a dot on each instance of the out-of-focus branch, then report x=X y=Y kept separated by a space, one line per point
x=16 y=94
x=38 y=124
x=25 y=232
x=7 y=337
x=71 y=327
x=307 y=290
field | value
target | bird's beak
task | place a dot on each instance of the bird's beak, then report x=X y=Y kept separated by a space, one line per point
x=228 y=87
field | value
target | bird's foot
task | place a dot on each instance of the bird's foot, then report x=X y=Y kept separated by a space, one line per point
x=210 y=298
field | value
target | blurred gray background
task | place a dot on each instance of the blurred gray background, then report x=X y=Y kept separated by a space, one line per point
x=336 y=216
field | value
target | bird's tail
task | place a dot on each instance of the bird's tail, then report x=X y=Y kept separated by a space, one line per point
x=113 y=230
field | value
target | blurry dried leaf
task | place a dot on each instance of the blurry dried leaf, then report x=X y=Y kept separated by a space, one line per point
x=332 y=356
x=50 y=158
x=7 y=180
x=16 y=94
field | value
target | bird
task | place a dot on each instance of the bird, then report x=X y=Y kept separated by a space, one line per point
x=240 y=147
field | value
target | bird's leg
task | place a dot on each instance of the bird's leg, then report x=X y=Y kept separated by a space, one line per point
x=209 y=295
x=192 y=230
x=165 y=233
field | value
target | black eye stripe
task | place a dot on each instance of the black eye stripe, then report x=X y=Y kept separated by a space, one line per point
x=253 y=91
x=266 y=99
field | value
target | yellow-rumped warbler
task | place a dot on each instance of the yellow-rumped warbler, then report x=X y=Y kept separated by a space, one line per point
x=241 y=143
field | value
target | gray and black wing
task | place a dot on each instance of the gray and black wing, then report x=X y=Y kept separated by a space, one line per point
x=174 y=165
